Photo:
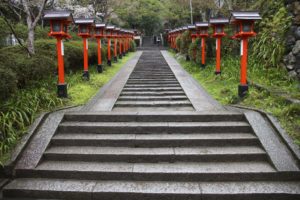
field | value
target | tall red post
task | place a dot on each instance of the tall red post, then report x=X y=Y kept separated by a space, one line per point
x=108 y=52
x=85 y=58
x=243 y=26
x=99 y=68
x=218 y=56
x=60 y=62
x=203 y=51
x=120 y=48
x=244 y=61
x=115 y=51
x=59 y=22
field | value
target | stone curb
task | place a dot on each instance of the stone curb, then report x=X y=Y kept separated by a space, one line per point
x=295 y=150
x=7 y=169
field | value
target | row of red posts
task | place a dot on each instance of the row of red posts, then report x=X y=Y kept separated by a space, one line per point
x=243 y=27
x=87 y=28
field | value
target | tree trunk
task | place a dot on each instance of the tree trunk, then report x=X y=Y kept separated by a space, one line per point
x=30 y=41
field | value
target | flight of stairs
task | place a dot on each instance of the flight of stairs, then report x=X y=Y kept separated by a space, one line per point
x=152 y=155
x=152 y=84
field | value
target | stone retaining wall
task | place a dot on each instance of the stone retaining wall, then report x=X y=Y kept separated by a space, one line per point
x=292 y=58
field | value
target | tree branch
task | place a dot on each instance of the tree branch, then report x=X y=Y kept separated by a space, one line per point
x=40 y=13
x=13 y=31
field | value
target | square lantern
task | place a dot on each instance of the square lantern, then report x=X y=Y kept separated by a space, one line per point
x=243 y=23
x=85 y=26
x=218 y=25
x=59 y=22
x=99 y=30
x=193 y=31
x=110 y=30
x=117 y=32
x=202 y=29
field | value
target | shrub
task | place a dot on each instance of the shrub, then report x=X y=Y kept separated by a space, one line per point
x=21 y=70
x=8 y=83
x=132 y=46
x=185 y=42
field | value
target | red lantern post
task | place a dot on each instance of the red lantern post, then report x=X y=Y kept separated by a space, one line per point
x=109 y=36
x=59 y=22
x=202 y=32
x=99 y=32
x=120 y=44
x=84 y=30
x=218 y=25
x=115 y=36
x=243 y=24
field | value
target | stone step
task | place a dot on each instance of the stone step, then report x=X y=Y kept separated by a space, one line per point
x=151 y=190
x=158 y=89
x=165 y=85
x=160 y=154
x=153 y=127
x=154 y=140
x=153 y=93
x=172 y=116
x=161 y=103
x=178 y=171
x=151 y=82
x=151 y=98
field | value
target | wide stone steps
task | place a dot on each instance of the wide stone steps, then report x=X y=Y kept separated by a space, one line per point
x=154 y=140
x=151 y=78
x=152 y=190
x=153 y=127
x=142 y=155
x=151 y=98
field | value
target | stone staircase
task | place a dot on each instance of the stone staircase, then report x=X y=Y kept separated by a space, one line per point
x=152 y=84
x=179 y=155
x=155 y=144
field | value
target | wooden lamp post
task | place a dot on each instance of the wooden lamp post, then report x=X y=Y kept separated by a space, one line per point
x=99 y=32
x=59 y=22
x=202 y=32
x=109 y=36
x=193 y=33
x=115 y=36
x=243 y=24
x=85 y=27
x=218 y=25
x=122 y=36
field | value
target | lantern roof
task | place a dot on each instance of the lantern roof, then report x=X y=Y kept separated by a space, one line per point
x=59 y=15
x=100 y=25
x=191 y=26
x=218 y=20
x=244 y=15
x=110 y=27
x=84 y=21
x=184 y=28
x=201 y=24
x=118 y=29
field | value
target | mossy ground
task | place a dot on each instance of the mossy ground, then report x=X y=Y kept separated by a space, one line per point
x=224 y=88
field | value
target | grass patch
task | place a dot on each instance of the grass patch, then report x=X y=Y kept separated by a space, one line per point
x=224 y=88
x=81 y=91
x=20 y=110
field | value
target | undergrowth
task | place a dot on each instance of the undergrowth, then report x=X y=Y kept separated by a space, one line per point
x=21 y=109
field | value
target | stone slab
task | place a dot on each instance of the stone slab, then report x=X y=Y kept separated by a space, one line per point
x=279 y=154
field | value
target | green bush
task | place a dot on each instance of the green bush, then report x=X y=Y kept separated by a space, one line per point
x=269 y=45
x=22 y=71
x=132 y=46
x=185 y=42
x=8 y=83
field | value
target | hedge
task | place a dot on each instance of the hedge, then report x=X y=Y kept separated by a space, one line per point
x=17 y=70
